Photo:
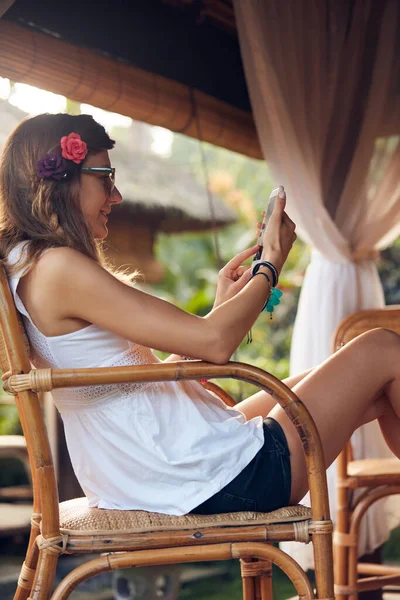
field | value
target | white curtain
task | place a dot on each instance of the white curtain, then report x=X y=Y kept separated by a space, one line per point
x=324 y=87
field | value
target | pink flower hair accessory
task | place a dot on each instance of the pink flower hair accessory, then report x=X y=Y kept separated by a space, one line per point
x=73 y=148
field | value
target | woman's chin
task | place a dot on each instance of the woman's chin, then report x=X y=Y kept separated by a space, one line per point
x=101 y=233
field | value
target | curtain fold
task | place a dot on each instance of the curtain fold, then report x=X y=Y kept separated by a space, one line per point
x=324 y=86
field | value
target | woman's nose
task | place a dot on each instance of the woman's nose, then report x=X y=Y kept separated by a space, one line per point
x=115 y=197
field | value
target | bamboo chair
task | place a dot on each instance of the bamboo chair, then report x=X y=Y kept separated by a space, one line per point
x=377 y=478
x=139 y=538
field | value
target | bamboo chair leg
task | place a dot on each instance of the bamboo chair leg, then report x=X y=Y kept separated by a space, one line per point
x=27 y=574
x=265 y=580
x=257 y=588
x=341 y=550
x=28 y=568
x=45 y=573
x=360 y=508
x=323 y=560
x=247 y=580
x=352 y=575
x=256 y=578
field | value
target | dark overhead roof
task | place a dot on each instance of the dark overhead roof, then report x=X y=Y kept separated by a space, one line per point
x=152 y=35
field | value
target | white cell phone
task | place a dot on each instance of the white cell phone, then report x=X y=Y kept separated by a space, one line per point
x=268 y=212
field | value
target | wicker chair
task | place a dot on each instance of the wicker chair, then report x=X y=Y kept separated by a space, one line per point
x=377 y=478
x=139 y=538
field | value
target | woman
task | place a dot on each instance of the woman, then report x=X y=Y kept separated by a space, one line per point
x=166 y=447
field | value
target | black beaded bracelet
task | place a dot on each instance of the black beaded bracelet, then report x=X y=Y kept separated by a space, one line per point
x=270 y=266
x=265 y=275
x=270 y=287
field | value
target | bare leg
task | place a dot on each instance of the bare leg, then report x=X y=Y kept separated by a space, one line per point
x=359 y=383
x=388 y=422
x=261 y=403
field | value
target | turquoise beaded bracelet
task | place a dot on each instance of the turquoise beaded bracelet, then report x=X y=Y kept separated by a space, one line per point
x=273 y=300
x=274 y=297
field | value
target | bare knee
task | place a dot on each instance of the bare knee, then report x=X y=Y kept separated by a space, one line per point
x=380 y=340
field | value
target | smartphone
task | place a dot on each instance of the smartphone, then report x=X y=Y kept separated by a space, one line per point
x=268 y=212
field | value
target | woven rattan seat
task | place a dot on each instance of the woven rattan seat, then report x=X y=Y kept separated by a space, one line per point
x=373 y=467
x=77 y=517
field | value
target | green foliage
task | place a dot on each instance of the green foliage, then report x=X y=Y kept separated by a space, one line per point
x=389 y=272
x=391 y=549
x=9 y=421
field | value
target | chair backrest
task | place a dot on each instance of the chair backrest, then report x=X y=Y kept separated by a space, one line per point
x=351 y=327
x=14 y=359
x=365 y=320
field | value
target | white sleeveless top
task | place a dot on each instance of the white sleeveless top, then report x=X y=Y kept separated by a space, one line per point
x=162 y=447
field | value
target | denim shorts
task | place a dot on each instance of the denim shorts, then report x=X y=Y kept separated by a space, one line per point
x=263 y=485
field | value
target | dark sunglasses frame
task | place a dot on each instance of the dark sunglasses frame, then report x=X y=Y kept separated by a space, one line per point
x=105 y=170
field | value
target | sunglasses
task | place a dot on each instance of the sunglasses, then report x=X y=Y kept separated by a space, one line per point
x=110 y=171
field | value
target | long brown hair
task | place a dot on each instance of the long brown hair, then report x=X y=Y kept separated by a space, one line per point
x=45 y=212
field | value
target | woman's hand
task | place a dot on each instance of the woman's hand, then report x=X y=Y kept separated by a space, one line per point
x=279 y=236
x=233 y=276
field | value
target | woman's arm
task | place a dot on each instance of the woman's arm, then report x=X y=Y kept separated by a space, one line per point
x=69 y=285
x=231 y=279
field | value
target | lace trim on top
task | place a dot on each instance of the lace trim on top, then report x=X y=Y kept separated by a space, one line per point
x=41 y=355
x=94 y=397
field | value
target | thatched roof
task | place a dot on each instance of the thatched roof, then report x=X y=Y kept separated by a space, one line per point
x=154 y=189
x=154 y=186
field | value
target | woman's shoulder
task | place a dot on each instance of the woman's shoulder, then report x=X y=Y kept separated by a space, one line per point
x=64 y=260
x=53 y=256
x=54 y=268
x=52 y=285
x=61 y=257
x=63 y=271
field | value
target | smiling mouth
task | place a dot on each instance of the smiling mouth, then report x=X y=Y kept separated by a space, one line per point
x=105 y=214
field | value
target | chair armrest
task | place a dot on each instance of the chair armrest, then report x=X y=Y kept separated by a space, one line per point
x=39 y=380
